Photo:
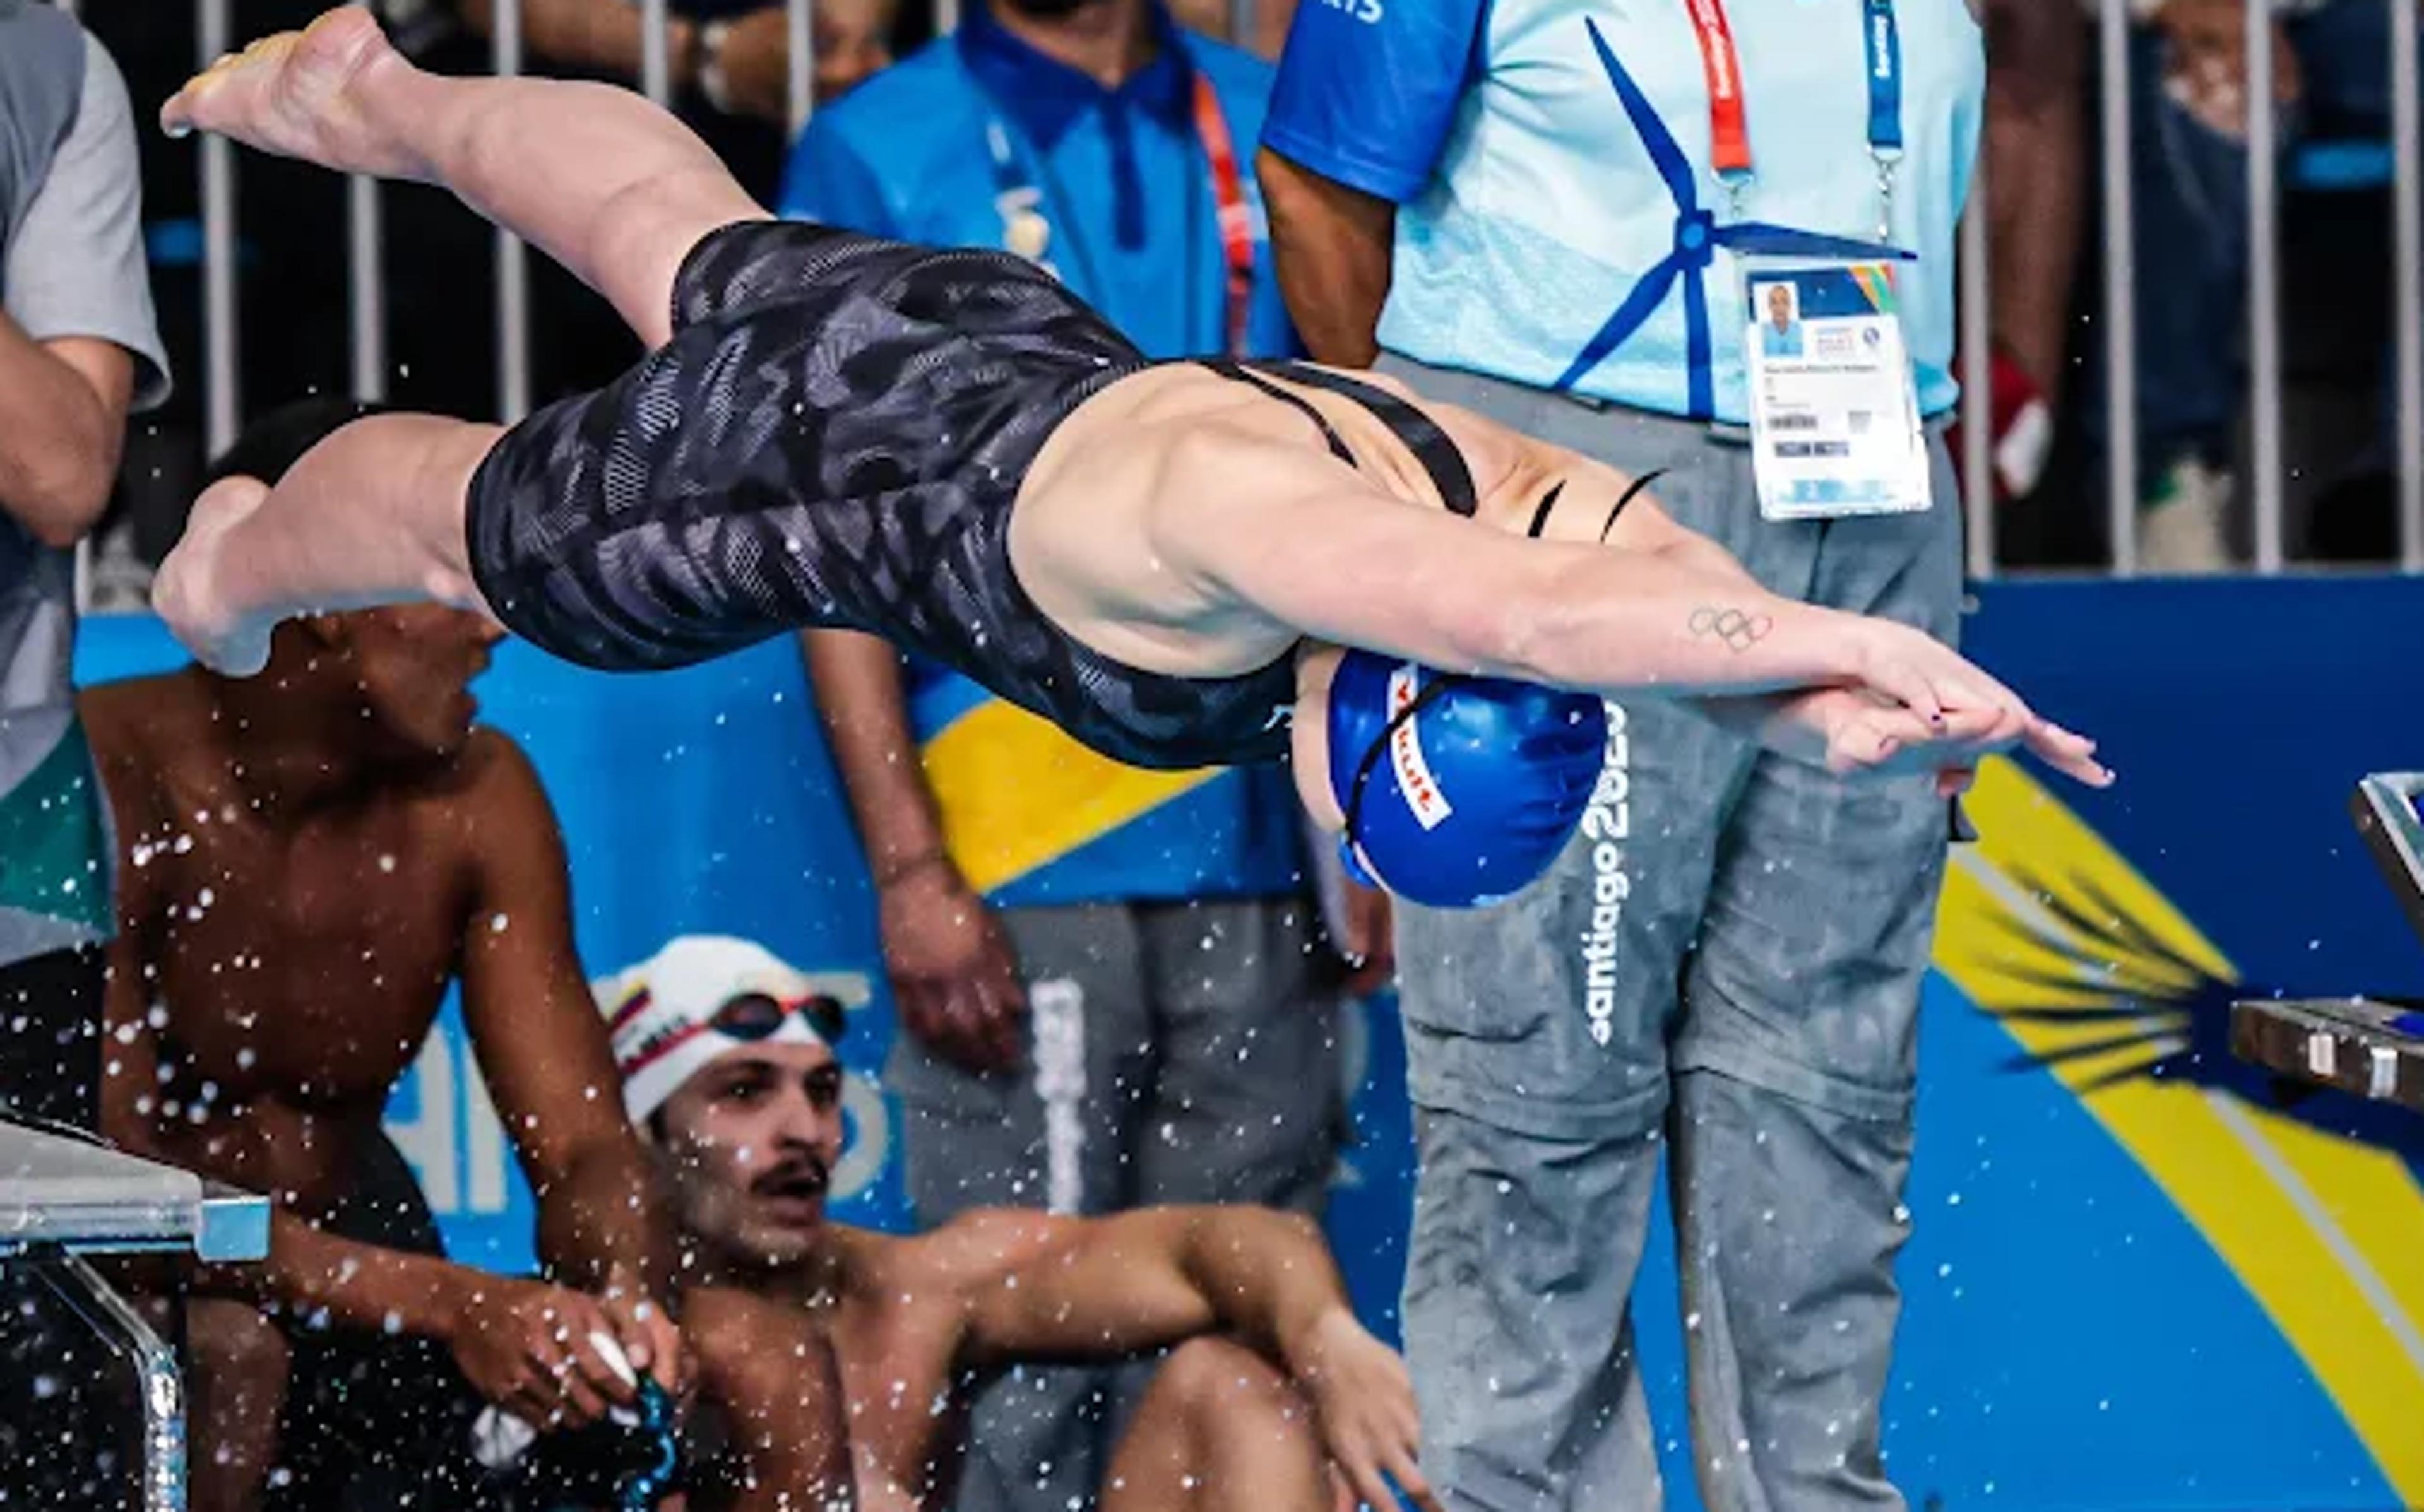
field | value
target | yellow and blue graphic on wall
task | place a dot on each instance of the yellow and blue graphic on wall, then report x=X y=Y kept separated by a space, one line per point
x=2117 y=995
x=1032 y=818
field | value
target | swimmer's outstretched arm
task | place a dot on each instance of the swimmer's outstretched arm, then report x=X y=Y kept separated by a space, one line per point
x=610 y=187
x=1251 y=523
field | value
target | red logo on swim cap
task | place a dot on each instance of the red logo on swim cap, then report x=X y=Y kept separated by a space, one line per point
x=1415 y=783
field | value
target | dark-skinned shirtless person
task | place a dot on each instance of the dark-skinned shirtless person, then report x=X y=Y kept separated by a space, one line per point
x=308 y=862
x=839 y=1363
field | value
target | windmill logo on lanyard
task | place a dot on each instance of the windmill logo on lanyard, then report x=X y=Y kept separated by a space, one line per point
x=1697 y=232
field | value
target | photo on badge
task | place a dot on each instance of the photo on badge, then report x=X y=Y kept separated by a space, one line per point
x=1779 y=330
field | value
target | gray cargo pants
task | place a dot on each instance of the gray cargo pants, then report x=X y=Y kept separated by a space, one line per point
x=1725 y=965
x=1183 y=1051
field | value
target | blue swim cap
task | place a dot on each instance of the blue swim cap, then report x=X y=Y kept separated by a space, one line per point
x=1458 y=790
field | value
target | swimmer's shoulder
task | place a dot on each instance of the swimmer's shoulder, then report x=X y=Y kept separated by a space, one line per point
x=486 y=814
x=117 y=715
x=983 y=1249
x=1174 y=407
x=137 y=728
x=491 y=782
x=492 y=765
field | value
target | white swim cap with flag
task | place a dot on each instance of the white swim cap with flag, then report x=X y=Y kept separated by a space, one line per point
x=703 y=996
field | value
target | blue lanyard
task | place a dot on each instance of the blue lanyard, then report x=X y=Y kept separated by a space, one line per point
x=1024 y=207
x=1885 y=77
x=1883 y=32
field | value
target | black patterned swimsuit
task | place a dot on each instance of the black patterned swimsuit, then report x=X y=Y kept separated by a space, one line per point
x=832 y=438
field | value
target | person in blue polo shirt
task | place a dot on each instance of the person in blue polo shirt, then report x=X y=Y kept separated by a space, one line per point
x=1579 y=218
x=1110 y=979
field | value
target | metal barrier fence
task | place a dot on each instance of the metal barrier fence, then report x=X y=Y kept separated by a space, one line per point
x=2266 y=480
x=223 y=405
x=364 y=261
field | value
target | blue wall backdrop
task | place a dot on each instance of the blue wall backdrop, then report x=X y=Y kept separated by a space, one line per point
x=2137 y=1279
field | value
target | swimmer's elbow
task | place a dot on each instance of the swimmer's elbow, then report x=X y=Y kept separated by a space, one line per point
x=1560 y=625
x=1508 y=635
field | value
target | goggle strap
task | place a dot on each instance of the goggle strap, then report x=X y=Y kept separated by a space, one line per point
x=1372 y=753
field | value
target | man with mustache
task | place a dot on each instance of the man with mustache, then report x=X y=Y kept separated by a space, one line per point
x=308 y=861
x=812 y=1333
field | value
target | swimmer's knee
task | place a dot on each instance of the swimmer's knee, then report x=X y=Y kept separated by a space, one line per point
x=450 y=464
x=1216 y=1380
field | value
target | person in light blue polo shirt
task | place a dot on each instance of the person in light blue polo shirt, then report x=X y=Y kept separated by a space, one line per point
x=1111 y=980
x=1577 y=216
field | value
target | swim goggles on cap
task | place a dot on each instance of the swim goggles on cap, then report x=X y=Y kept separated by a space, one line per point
x=753 y=1016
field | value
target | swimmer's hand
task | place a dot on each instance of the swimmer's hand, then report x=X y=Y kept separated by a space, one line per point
x=1370 y=947
x=1954 y=704
x=1365 y=1400
x=528 y=1348
x=1856 y=734
x=649 y=1337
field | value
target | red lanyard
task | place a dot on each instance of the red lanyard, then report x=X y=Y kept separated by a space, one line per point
x=1235 y=217
x=1729 y=119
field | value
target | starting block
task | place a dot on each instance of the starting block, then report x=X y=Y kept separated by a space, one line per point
x=63 y=1198
x=2371 y=1047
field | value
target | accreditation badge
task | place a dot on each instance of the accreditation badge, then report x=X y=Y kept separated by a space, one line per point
x=1834 y=411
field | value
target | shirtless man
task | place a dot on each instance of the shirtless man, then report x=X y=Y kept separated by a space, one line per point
x=310 y=858
x=946 y=449
x=1270 y=1386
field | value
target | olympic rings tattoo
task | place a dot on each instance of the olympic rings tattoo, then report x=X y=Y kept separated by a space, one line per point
x=1740 y=631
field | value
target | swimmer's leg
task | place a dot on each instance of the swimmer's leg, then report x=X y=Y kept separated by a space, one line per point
x=610 y=187
x=240 y=1363
x=1220 y=1429
x=373 y=515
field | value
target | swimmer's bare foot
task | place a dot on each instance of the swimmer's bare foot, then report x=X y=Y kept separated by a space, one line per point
x=188 y=593
x=304 y=95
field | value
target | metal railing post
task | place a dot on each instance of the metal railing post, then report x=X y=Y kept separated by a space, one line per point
x=655 y=63
x=1977 y=457
x=2120 y=292
x=366 y=288
x=2408 y=262
x=220 y=400
x=2264 y=287
x=799 y=36
x=513 y=262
